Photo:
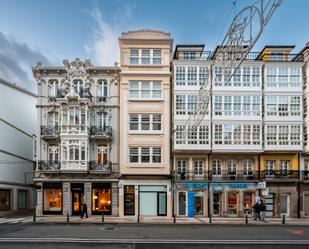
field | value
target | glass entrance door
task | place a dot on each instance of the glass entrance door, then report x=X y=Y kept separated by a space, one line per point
x=232 y=203
x=285 y=204
x=162 y=206
x=182 y=199
x=77 y=190
x=216 y=204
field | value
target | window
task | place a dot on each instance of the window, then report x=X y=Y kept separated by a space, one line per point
x=180 y=76
x=203 y=74
x=218 y=76
x=189 y=55
x=198 y=168
x=218 y=105
x=102 y=88
x=295 y=73
x=216 y=168
x=78 y=87
x=256 y=131
x=52 y=119
x=247 y=166
x=145 y=89
x=284 y=166
x=134 y=155
x=129 y=200
x=53 y=153
x=236 y=77
x=283 y=76
x=283 y=134
x=74 y=150
x=145 y=122
x=192 y=76
x=192 y=135
x=246 y=76
x=134 y=122
x=52 y=198
x=255 y=76
x=180 y=104
x=271 y=76
x=102 y=120
x=181 y=167
x=180 y=136
x=231 y=167
x=295 y=135
x=145 y=155
x=102 y=154
x=5 y=199
x=157 y=57
x=101 y=198
x=191 y=103
x=283 y=106
x=247 y=134
x=218 y=134
x=145 y=56
x=134 y=56
x=203 y=134
x=271 y=134
x=53 y=88
x=269 y=167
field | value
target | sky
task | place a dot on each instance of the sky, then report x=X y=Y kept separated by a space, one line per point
x=49 y=31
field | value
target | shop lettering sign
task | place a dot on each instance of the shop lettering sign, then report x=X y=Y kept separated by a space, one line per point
x=195 y=185
x=238 y=185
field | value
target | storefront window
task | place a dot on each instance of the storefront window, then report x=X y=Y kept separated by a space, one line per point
x=247 y=203
x=232 y=203
x=53 y=199
x=22 y=199
x=129 y=200
x=181 y=203
x=5 y=199
x=198 y=202
x=101 y=198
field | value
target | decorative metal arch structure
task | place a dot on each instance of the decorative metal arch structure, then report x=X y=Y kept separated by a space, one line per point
x=246 y=28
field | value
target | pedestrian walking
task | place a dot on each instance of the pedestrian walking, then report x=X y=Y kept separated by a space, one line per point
x=256 y=209
x=84 y=210
x=262 y=210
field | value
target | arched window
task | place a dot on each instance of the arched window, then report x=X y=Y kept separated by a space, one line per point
x=53 y=88
x=52 y=119
x=53 y=153
x=78 y=86
x=102 y=88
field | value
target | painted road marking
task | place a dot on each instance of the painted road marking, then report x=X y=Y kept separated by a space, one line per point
x=151 y=241
x=296 y=231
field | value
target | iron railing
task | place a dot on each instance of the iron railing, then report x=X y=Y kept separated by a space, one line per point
x=103 y=168
x=105 y=131
x=50 y=130
x=191 y=175
x=234 y=175
x=280 y=174
x=49 y=165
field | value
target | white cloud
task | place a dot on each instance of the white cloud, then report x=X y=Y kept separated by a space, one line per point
x=103 y=43
x=16 y=60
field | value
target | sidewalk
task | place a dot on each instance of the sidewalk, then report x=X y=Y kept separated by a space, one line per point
x=161 y=220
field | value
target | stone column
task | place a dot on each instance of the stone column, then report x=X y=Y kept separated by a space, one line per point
x=114 y=199
x=39 y=198
x=87 y=196
x=66 y=198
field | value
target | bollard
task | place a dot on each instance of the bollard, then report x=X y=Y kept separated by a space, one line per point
x=102 y=217
x=34 y=216
x=210 y=221
x=138 y=219
x=246 y=219
x=283 y=219
x=68 y=217
x=174 y=218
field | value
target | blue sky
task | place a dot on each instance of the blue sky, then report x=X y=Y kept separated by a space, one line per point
x=52 y=30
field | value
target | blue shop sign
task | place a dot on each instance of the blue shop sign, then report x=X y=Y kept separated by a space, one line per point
x=191 y=211
x=219 y=187
x=195 y=185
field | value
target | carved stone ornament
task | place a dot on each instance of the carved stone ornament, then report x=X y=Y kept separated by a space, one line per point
x=76 y=70
x=37 y=73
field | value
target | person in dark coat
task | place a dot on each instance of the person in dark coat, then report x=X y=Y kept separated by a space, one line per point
x=262 y=210
x=256 y=209
x=84 y=210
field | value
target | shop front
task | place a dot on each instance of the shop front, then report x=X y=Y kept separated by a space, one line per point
x=101 y=198
x=145 y=198
x=191 y=199
x=232 y=199
x=52 y=198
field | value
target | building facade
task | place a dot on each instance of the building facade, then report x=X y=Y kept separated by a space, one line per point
x=251 y=132
x=77 y=138
x=17 y=129
x=145 y=187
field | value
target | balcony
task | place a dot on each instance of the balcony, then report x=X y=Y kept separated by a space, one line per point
x=100 y=100
x=190 y=176
x=98 y=132
x=49 y=166
x=95 y=167
x=234 y=175
x=280 y=174
x=305 y=175
x=50 y=131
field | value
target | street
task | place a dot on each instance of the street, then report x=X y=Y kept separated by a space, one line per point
x=34 y=236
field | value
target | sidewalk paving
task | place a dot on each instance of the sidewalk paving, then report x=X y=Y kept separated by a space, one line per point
x=162 y=220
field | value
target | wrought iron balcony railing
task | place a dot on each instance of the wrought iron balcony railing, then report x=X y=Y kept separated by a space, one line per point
x=49 y=165
x=101 y=131
x=50 y=130
x=280 y=174
x=100 y=167
x=191 y=175
x=305 y=175
x=234 y=175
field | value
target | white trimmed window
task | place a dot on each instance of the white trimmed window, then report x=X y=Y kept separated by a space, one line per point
x=102 y=89
x=198 y=168
x=74 y=150
x=216 y=168
x=145 y=89
x=53 y=88
x=182 y=166
x=283 y=134
x=283 y=106
x=180 y=76
x=247 y=166
x=185 y=104
x=192 y=136
x=145 y=122
x=283 y=76
x=145 y=56
x=145 y=155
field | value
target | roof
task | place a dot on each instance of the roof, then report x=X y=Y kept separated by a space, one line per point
x=16 y=87
x=196 y=48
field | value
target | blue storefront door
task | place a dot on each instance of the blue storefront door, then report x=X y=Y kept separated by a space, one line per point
x=191 y=209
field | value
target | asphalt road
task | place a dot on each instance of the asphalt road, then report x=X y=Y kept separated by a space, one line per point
x=152 y=236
